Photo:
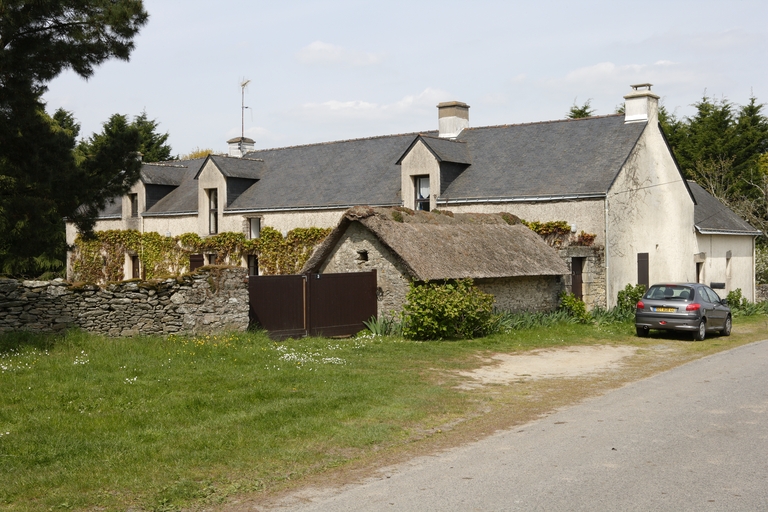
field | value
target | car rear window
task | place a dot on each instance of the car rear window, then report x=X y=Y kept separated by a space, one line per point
x=669 y=292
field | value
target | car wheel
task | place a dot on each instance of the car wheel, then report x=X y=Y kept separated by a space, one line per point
x=642 y=332
x=726 y=331
x=701 y=333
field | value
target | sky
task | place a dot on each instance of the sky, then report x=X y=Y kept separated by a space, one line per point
x=343 y=69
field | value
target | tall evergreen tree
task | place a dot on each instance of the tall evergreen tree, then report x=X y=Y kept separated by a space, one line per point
x=40 y=178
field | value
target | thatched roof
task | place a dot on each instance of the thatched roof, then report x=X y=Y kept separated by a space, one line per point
x=436 y=245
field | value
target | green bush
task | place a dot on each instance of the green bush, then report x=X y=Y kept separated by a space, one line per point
x=627 y=299
x=574 y=307
x=447 y=310
x=740 y=306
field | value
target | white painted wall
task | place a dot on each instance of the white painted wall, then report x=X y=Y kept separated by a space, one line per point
x=649 y=211
x=586 y=215
x=736 y=273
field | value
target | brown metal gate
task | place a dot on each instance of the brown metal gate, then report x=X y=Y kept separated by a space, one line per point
x=313 y=304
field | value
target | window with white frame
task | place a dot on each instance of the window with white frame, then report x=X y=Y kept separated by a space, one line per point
x=254 y=227
x=422 y=193
x=213 y=210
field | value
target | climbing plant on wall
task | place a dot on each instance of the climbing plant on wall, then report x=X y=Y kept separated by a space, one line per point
x=101 y=258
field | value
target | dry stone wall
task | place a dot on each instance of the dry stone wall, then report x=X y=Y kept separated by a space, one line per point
x=762 y=293
x=210 y=300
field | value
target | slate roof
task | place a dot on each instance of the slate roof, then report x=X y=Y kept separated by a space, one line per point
x=184 y=198
x=232 y=167
x=470 y=245
x=710 y=216
x=335 y=174
x=517 y=162
x=446 y=150
x=162 y=173
x=113 y=209
x=556 y=158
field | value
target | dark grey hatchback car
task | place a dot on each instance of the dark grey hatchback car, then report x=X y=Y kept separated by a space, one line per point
x=691 y=307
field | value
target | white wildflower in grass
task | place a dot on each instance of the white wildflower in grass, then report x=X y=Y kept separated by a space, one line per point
x=131 y=381
x=81 y=358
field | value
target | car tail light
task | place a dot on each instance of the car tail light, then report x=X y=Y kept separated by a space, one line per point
x=640 y=305
x=693 y=307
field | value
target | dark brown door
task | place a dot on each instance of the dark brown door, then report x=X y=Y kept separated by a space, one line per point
x=135 y=267
x=196 y=261
x=577 y=279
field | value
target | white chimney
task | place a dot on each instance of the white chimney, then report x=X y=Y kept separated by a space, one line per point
x=453 y=117
x=641 y=105
x=239 y=146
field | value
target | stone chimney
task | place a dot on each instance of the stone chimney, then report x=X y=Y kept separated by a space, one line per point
x=239 y=146
x=641 y=105
x=453 y=117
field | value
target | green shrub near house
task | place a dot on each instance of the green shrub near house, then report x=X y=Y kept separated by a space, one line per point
x=447 y=310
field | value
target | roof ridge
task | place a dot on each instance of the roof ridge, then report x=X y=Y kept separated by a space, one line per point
x=566 y=120
x=342 y=141
x=160 y=164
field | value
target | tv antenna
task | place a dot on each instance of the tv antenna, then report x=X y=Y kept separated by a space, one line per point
x=243 y=84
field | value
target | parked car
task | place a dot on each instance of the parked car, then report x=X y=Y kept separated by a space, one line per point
x=691 y=307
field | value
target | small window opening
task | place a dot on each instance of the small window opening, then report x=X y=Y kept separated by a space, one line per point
x=362 y=255
x=211 y=259
x=134 y=198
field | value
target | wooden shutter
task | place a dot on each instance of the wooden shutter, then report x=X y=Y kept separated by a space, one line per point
x=642 y=269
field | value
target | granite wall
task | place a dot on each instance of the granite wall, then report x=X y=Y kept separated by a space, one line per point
x=210 y=300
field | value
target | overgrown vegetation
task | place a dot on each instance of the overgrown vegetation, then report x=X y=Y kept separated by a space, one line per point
x=101 y=257
x=740 y=306
x=557 y=233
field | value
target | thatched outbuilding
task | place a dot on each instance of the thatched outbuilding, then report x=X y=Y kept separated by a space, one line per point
x=502 y=256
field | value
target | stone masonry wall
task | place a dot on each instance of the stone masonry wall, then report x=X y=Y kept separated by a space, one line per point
x=523 y=294
x=593 y=273
x=761 y=293
x=210 y=300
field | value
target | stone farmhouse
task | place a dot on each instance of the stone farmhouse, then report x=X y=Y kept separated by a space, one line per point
x=502 y=256
x=611 y=176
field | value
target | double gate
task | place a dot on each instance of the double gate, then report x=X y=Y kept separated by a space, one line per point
x=313 y=304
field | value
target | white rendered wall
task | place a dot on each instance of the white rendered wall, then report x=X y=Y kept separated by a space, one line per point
x=586 y=215
x=738 y=273
x=649 y=210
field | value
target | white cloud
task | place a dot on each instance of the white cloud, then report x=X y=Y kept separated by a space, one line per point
x=322 y=53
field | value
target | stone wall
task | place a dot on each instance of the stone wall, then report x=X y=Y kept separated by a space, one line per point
x=523 y=294
x=593 y=273
x=210 y=300
x=360 y=251
x=761 y=293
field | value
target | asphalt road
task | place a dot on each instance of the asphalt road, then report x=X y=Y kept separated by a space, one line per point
x=693 y=438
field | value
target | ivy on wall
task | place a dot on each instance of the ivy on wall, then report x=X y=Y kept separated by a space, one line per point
x=557 y=233
x=102 y=258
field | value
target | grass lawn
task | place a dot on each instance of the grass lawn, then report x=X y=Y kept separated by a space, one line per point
x=95 y=423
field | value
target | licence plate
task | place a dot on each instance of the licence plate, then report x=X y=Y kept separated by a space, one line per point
x=665 y=310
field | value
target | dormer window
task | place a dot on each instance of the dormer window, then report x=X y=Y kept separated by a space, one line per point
x=213 y=211
x=422 y=193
